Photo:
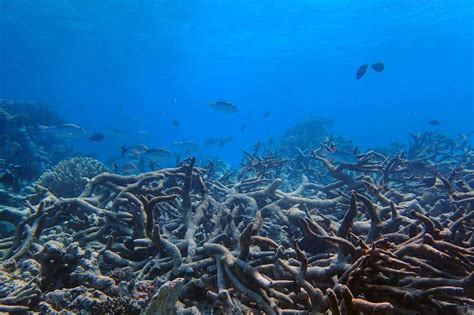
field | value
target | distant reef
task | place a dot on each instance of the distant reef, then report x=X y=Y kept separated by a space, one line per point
x=24 y=151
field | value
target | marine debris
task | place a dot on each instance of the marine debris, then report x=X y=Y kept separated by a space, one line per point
x=300 y=234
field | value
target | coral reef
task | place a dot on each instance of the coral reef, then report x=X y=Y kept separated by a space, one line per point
x=305 y=234
x=69 y=177
x=22 y=149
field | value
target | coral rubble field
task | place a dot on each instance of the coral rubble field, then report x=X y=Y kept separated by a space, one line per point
x=384 y=231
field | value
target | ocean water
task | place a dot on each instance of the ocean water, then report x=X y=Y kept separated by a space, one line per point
x=138 y=65
x=330 y=155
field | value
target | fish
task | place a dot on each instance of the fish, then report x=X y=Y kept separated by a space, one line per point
x=266 y=114
x=419 y=167
x=429 y=181
x=175 y=123
x=223 y=106
x=242 y=128
x=63 y=130
x=211 y=141
x=222 y=141
x=97 y=137
x=378 y=66
x=152 y=165
x=9 y=180
x=361 y=71
x=187 y=146
x=10 y=148
x=434 y=122
x=134 y=150
x=91 y=155
x=129 y=167
x=225 y=140
x=115 y=130
x=157 y=154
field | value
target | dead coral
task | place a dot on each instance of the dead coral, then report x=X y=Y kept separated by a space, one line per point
x=362 y=240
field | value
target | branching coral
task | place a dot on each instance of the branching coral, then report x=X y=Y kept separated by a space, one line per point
x=362 y=240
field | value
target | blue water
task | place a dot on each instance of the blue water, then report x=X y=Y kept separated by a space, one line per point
x=164 y=60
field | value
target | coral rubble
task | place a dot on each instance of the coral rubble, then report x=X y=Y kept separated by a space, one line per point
x=304 y=234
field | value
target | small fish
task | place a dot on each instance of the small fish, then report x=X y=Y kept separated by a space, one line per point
x=9 y=180
x=211 y=141
x=157 y=154
x=419 y=167
x=356 y=151
x=242 y=128
x=222 y=141
x=129 y=167
x=97 y=137
x=10 y=148
x=121 y=108
x=65 y=131
x=361 y=71
x=223 y=106
x=115 y=130
x=266 y=114
x=429 y=181
x=187 y=146
x=378 y=66
x=134 y=150
x=175 y=123
x=152 y=165
x=91 y=155
x=434 y=122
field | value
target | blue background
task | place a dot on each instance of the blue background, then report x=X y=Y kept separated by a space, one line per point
x=164 y=60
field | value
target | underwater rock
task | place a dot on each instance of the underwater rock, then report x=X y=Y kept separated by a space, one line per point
x=164 y=301
x=69 y=177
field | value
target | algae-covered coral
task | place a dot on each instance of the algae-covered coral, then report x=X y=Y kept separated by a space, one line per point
x=381 y=234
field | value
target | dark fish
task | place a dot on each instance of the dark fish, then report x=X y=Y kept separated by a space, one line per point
x=361 y=71
x=121 y=108
x=418 y=167
x=9 y=180
x=429 y=181
x=266 y=114
x=96 y=137
x=434 y=122
x=223 y=106
x=175 y=123
x=356 y=151
x=378 y=67
x=242 y=128
x=222 y=141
